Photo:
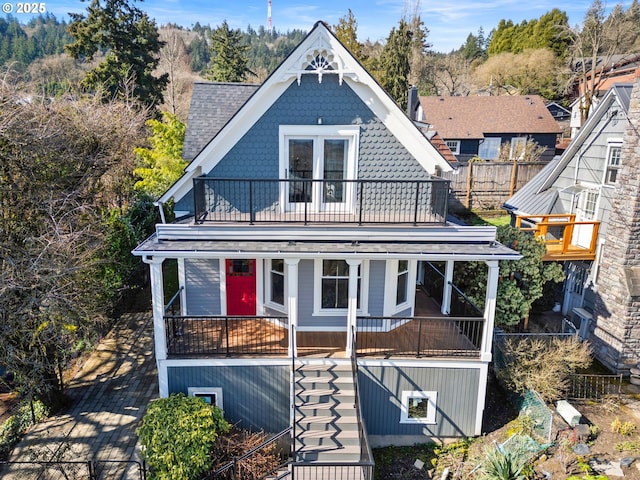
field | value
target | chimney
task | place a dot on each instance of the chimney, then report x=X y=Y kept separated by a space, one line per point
x=413 y=101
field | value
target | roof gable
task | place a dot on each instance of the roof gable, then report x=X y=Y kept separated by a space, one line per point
x=474 y=116
x=320 y=54
x=619 y=94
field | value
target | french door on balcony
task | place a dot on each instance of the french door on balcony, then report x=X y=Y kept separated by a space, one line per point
x=316 y=167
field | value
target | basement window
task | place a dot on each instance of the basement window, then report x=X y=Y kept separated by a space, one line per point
x=210 y=395
x=418 y=407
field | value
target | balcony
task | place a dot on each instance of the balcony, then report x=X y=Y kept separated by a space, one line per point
x=303 y=201
x=565 y=238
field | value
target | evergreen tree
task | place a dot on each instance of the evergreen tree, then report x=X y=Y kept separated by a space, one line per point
x=346 y=31
x=395 y=63
x=132 y=43
x=229 y=61
x=199 y=52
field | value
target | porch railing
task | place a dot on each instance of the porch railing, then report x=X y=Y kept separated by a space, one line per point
x=420 y=336
x=321 y=201
x=559 y=231
x=219 y=335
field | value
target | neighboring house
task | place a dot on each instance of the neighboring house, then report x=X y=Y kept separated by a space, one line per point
x=476 y=126
x=312 y=225
x=584 y=204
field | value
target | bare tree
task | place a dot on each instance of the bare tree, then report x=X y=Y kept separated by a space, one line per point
x=63 y=164
x=594 y=45
x=174 y=60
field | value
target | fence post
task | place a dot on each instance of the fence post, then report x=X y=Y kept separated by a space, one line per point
x=514 y=177
x=226 y=332
x=469 y=184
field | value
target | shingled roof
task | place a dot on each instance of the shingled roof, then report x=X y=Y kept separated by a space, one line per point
x=212 y=105
x=474 y=116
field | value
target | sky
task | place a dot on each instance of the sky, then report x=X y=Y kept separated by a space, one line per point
x=449 y=22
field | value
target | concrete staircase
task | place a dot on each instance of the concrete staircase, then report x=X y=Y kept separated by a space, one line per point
x=325 y=415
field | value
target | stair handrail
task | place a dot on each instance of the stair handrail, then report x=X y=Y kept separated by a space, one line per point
x=362 y=428
x=292 y=393
x=232 y=464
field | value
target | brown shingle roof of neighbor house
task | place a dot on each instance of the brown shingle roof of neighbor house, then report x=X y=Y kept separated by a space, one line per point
x=474 y=116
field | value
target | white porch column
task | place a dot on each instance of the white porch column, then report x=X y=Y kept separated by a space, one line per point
x=447 y=288
x=352 y=305
x=489 y=310
x=292 y=302
x=182 y=283
x=159 y=334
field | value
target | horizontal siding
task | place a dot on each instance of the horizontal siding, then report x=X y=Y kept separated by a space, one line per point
x=254 y=397
x=381 y=391
x=376 y=288
x=202 y=286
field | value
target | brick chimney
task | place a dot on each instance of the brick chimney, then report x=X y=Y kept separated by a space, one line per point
x=616 y=338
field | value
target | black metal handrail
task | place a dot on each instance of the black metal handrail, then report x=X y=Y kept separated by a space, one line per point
x=223 y=335
x=366 y=454
x=413 y=202
x=420 y=336
x=232 y=466
x=172 y=303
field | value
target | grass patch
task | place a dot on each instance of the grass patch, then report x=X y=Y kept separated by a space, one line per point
x=496 y=218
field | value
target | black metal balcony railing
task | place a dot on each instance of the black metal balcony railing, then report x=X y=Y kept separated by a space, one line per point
x=217 y=335
x=306 y=201
x=419 y=336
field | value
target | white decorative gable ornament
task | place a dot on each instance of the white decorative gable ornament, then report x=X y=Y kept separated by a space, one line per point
x=319 y=59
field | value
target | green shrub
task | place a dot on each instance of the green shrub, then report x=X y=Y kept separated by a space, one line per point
x=16 y=425
x=177 y=435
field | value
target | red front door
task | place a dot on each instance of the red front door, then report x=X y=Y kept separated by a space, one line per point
x=241 y=287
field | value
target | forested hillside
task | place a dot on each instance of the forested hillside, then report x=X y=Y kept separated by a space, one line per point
x=42 y=36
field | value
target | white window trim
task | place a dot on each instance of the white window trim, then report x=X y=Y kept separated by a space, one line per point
x=317 y=132
x=267 y=288
x=432 y=397
x=391 y=286
x=215 y=391
x=456 y=150
x=611 y=143
x=339 y=312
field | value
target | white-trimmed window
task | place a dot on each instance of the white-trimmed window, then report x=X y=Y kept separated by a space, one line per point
x=418 y=407
x=276 y=285
x=589 y=204
x=210 y=395
x=399 y=286
x=454 y=146
x=518 y=148
x=317 y=159
x=614 y=152
x=331 y=285
x=489 y=148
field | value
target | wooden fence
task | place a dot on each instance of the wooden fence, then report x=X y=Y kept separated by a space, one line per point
x=487 y=185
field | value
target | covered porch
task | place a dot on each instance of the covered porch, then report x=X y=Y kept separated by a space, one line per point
x=429 y=333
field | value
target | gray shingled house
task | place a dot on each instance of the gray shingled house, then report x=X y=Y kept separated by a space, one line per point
x=315 y=268
x=584 y=204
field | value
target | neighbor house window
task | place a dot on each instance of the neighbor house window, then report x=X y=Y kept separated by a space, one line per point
x=454 y=146
x=614 y=151
x=210 y=395
x=489 y=148
x=418 y=407
x=518 y=148
x=319 y=161
x=589 y=204
x=275 y=285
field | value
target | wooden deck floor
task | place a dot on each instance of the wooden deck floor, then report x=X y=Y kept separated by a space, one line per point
x=435 y=336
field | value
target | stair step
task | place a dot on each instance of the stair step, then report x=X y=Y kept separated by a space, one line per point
x=308 y=422
x=337 y=456
x=327 y=443
x=325 y=367
x=336 y=392
x=324 y=379
x=331 y=432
